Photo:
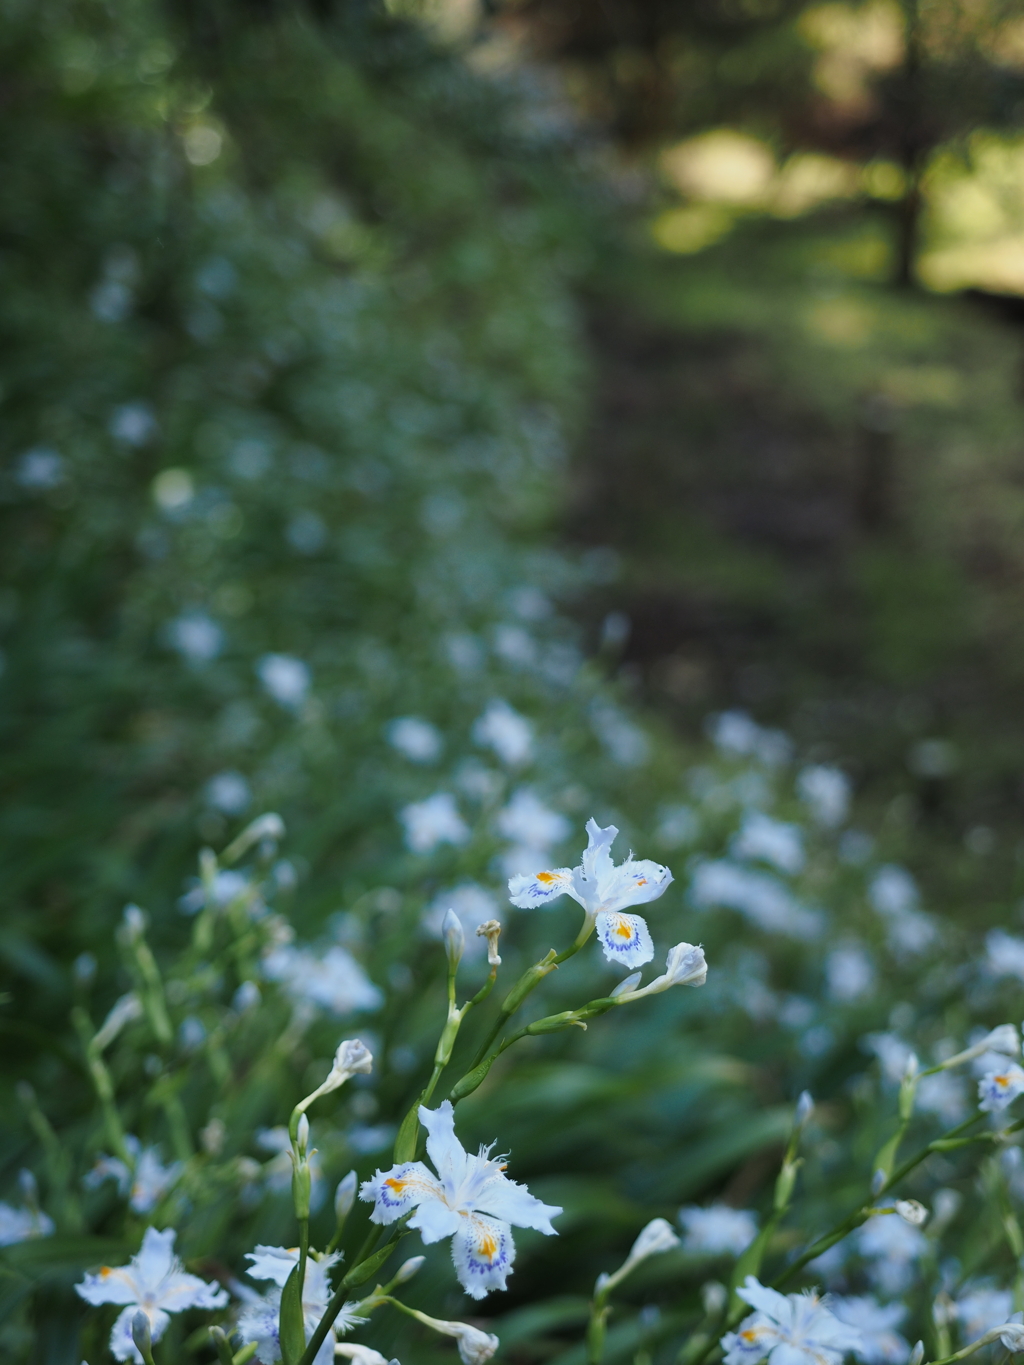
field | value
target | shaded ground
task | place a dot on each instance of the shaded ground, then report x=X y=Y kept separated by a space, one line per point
x=814 y=485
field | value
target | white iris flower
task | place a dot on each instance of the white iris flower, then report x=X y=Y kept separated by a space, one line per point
x=259 y=1319
x=604 y=891
x=790 y=1329
x=1000 y=1088
x=154 y=1282
x=470 y=1199
x=877 y=1323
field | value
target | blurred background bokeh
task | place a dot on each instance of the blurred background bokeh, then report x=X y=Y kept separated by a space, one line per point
x=413 y=411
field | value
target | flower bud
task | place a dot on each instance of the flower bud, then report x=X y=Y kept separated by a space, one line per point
x=804 y=1109
x=626 y=986
x=1012 y=1335
x=454 y=938
x=917 y=1354
x=358 y=1353
x=345 y=1196
x=408 y=1269
x=655 y=1238
x=475 y=1347
x=302 y=1135
x=912 y=1212
x=141 y=1335
x=713 y=1296
x=134 y=923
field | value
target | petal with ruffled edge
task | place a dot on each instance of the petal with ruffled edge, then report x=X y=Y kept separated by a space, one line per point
x=635 y=882
x=527 y=891
x=483 y=1252
x=512 y=1203
x=435 y=1220
x=443 y=1147
x=768 y=1301
x=395 y=1192
x=625 y=939
x=122 y=1347
x=181 y=1290
x=272 y=1263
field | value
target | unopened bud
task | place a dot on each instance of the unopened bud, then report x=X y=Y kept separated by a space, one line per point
x=713 y=1296
x=134 y=923
x=912 y=1212
x=917 y=1354
x=302 y=1134
x=142 y=1335
x=1011 y=1334
x=878 y=1181
x=490 y=930
x=345 y=1196
x=408 y=1269
x=804 y=1109
x=454 y=938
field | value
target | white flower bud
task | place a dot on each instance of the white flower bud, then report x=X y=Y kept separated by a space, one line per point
x=713 y=1296
x=362 y=1355
x=454 y=938
x=134 y=922
x=686 y=965
x=352 y=1057
x=804 y=1109
x=345 y=1196
x=475 y=1346
x=141 y=1334
x=655 y=1238
x=601 y=1282
x=302 y=1134
x=124 y=1011
x=911 y=1067
x=912 y=1212
x=1005 y=1039
x=917 y=1354
x=1011 y=1334
x=408 y=1268
x=626 y=986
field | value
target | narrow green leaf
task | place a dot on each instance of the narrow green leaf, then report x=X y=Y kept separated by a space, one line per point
x=292 y=1328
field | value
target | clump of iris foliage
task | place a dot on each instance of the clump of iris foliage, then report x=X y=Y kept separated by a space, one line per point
x=289 y=364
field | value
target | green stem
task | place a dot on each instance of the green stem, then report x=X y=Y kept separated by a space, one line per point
x=359 y=1272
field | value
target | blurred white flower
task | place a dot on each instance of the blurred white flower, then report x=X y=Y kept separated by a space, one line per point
x=504 y=730
x=892 y=890
x=604 y=890
x=718 y=1230
x=228 y=885
x=826 y=793
x=980 y=1309
x=758 y=895
x=849 y=972
x=196 y=637
x=880 y=1344
x=19 y=1225
x=39 y=469
x=153 y=1282
x=146 y=1181
x=737 y=734
x=771 y=841
x=417 y=739
x=284 y=678
x=528 y=821
x=678 y=825
x=473 y=905
x=790 y=1329
x=515 y=645
x=259 y=1319
x=470 y=1199
x=357 y=1352
x=433 y=821
x=1004 y=954
x=998 y=1089
x=132 y=423
x=228 y=792
x=892 y=1052
x=942 y=1095
x=623 y=740
x=891 y=1246
x=333 y=980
